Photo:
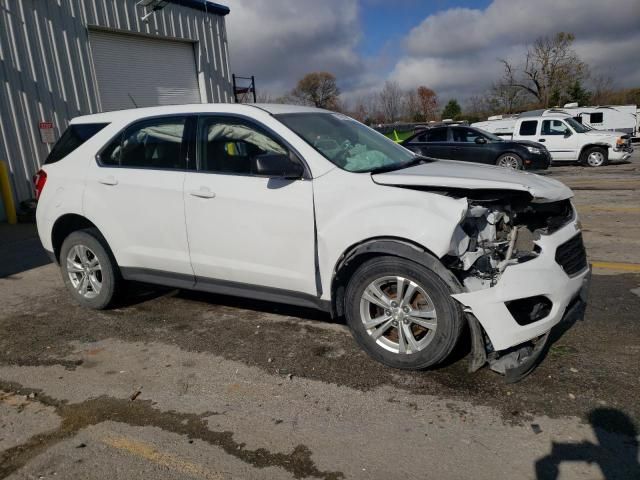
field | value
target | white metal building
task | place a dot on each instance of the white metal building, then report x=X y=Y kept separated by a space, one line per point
x=64 y=58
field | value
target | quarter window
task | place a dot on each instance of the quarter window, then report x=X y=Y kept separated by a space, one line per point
x=528 y=127
x=229 y=145
x=72 y=138
x=156 y=143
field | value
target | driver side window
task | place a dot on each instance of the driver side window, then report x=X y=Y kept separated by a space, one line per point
x=554 y=127
x=231 y=145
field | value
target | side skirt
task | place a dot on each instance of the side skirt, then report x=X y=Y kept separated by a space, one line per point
x=224 y=287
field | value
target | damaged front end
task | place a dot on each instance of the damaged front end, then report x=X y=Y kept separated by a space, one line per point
x=524 y=269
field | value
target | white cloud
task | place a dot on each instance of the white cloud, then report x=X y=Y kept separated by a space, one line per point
x=280 y=40
x=454 y=51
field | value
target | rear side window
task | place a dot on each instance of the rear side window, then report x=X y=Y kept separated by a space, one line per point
x=436 y=135
x=156 y=143
x=72 y=138
x=528 y=127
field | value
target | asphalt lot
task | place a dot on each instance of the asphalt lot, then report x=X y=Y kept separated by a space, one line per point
x=176 y=384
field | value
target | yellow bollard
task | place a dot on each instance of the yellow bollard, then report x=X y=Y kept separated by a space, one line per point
x=7 y=194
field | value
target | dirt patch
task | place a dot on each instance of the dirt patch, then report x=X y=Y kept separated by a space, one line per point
x=596 y=363
x=77 y=416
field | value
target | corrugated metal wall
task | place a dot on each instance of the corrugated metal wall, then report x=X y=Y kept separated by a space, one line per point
x=46 y=69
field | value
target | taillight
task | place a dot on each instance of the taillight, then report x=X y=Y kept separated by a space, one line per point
x=39 y=180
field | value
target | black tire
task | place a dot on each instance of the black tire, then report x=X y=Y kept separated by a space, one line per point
x=450 y=318
x=512 y=158
x=109 y=273
x=598 y=152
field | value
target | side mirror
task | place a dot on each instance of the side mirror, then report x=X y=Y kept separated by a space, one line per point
x=277 y=165
x=481 y=140
x=567 y=133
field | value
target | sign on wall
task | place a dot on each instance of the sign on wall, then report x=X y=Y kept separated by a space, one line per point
x=47 y=134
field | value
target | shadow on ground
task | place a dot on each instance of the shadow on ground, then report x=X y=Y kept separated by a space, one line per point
x=615 y=452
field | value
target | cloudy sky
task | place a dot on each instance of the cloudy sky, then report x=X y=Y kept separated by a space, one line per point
x=452 y=46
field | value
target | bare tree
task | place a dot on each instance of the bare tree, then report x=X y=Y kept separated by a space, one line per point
x=318 y=89
x=506 y=98
x=411 y=106
x=428 y=103
x=602 y=89
x=551 y=66
x=391 y=101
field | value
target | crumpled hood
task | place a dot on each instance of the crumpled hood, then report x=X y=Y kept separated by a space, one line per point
x=472 y=176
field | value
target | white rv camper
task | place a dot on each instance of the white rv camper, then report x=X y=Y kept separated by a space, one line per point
x=619 y=118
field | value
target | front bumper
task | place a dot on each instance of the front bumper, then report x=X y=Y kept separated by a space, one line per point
x=542 y=276
x=622 y=153
x=540 y=161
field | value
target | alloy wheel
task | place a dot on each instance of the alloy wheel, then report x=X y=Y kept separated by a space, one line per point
x=398 y=314
x=595 y=159
x=84 y=270
x=508 y=161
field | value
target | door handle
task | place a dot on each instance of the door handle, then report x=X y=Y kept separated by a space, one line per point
x=202 y=192
x=541 y=140
x=109 y=180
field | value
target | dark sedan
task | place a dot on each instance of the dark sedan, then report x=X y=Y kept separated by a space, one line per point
x=474 y=145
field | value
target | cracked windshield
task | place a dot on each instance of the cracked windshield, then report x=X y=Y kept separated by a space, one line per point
x=346 y=142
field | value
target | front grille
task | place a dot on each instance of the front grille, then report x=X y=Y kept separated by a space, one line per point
x=572 y=256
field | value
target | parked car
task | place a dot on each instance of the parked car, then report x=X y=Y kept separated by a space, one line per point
x=566 y=139
x=309 y=207
x=474 y=145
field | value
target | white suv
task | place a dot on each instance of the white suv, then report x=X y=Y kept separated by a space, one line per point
x=309 y=207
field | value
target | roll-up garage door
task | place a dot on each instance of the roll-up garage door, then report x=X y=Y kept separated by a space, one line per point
x=137 y=71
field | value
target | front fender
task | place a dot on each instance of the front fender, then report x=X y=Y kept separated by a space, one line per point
x=350 y=209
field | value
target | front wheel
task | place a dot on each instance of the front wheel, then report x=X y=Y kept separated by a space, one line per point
x=402 y=314
x=88 y=270
x=510 y=160
x=596 y=157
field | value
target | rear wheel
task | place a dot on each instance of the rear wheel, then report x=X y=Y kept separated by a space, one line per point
x=595 y=157
x=88 y=270
x=510 y=160
x=402 y=313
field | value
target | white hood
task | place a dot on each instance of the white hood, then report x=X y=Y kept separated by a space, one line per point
x=472 y=176
x=605 y=133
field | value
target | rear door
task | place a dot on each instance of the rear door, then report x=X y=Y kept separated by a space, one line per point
x=244 y=228
x=559 y=139
x=431 y=143
x=134 y=195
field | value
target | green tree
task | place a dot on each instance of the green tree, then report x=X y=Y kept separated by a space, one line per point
x=577 y=93
x=318 y=89
x=452 y=109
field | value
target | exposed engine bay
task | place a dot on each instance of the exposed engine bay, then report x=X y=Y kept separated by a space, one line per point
x=498 y=232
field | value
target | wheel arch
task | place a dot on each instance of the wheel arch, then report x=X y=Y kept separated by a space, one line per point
x=588 y=146
x=357 y=254
x=66 y=225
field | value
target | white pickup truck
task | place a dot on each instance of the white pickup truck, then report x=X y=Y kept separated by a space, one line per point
x=566 y=139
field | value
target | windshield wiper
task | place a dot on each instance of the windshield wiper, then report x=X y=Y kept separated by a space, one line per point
x=416 y=160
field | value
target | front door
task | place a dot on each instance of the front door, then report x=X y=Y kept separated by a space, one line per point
x=134 y=196
x=465 y=148
x=244 y=228
x=559 y=139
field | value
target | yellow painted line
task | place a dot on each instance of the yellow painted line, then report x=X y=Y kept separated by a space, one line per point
x=167 y=460
x=627 y=267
